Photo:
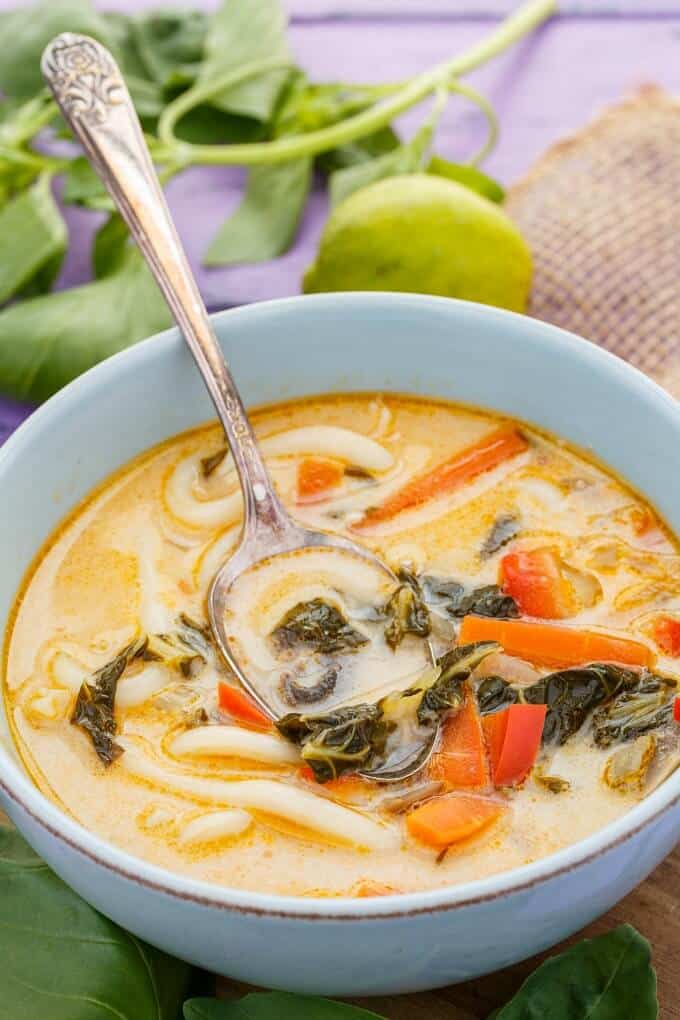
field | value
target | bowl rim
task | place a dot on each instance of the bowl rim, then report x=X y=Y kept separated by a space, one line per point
x=21 y=791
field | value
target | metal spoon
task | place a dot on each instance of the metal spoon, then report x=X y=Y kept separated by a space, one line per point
x=93 y=98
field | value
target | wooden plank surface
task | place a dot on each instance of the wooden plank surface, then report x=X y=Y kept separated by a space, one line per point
x=653 y=908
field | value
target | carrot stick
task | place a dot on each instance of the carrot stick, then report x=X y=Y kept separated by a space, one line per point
x=514 y=737
x=552 y=644
x=460 y=759
x=503 y=443
x=316 y=477
x=446 y=820
x=240 y=707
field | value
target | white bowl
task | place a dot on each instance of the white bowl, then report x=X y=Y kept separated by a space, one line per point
x=301 y=346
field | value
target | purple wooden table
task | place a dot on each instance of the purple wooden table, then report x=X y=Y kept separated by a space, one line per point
x=548 y=85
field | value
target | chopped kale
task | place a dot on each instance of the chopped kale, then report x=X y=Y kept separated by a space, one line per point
x=447 y=692
x=494 y=693
x=339 y=741
x=572 y=694
x=635 y=711
x=488 y=600
x=94 y=708
x=318 y=626
x=186 y=649
x=355 y=737
x=406 y=611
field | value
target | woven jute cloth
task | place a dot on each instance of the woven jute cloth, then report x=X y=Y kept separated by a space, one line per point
x=601 y=212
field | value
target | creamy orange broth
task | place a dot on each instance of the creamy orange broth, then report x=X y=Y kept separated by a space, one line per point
x=144 y=548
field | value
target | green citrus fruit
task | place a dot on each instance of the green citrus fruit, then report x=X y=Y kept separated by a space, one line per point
x=427 y=235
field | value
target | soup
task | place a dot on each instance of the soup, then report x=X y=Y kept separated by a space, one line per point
x=524 y=664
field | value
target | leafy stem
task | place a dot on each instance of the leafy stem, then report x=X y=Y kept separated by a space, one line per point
x=491 y=119
x=200 y=93
x=353 y=128
x=32 y=160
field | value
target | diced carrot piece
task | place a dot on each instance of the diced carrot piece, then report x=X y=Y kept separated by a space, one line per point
x=514 y=738
x=316 y=477
x=457 y=816
x=460 y=759
x=534 y=580
x=347 y=783
x=676 y=709
x=364 y=889
x=667 y=635
x=241 y=707
x=551 y=644
x=643 y=520
x=489 y=452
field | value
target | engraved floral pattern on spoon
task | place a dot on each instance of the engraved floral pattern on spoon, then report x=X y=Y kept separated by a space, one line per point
x=83 y=77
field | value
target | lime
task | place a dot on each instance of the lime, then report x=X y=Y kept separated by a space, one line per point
x=423 y=234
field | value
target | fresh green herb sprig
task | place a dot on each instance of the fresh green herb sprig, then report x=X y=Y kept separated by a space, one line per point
x=112 y=973
x=210 y=90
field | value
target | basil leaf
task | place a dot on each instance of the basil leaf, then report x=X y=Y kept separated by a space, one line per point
x=359 y=151
x=468 y=176
x=47 y=341
x=169 y=45
x=305 y=106
x=274 y=1006
x=243 y=31
x=63 y=960
x=406 y=159
x=265 y=223
x=110 y=246
x=206 y=125
x=146 y=93
x=32 y=240
x=83 y=186
x=27 y=30
x=597 y=979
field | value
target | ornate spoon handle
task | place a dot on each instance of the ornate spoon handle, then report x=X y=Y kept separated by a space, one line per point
x=89 y=89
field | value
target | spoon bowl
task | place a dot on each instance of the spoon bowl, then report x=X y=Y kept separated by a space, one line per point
x=90 y=91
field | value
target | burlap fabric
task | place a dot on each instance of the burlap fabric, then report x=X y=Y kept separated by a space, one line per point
x=601 y=212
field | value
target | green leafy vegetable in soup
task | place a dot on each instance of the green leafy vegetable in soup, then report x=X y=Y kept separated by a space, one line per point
x=94 y=709
x=320 y=627
x=358 y=737
x=512 y=731
x=406 y=611
x=647 y=705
